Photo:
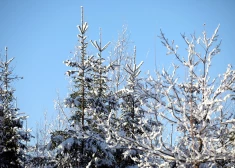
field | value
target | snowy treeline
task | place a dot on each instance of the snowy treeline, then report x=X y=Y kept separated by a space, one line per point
x=119 y=119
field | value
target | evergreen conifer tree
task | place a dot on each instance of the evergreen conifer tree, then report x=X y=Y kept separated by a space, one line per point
x=84 y=143
x=12 y=134
x=72 y=142
x=131 y=109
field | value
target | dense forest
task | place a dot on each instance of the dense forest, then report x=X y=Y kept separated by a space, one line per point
x=115 y=116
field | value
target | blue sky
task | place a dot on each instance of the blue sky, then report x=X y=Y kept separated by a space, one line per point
x=41 y=35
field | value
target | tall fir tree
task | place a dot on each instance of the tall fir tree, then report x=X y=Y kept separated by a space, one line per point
x=13 y=136
x=72 y=142
x=84 y=143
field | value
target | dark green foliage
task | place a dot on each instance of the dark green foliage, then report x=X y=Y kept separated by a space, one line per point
x=13 y=136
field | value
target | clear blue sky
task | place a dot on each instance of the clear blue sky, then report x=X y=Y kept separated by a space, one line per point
x=41 y=34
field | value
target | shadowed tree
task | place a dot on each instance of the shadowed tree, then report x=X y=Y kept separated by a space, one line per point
x=12 y=134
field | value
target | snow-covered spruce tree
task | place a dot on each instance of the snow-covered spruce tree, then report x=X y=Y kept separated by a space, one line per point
x=12 y=134
x=131 y=111
x=99 y=104
x=131 y=127
x=131 y=99
x=71 y=143
x=100 y=96
x=83 y=144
